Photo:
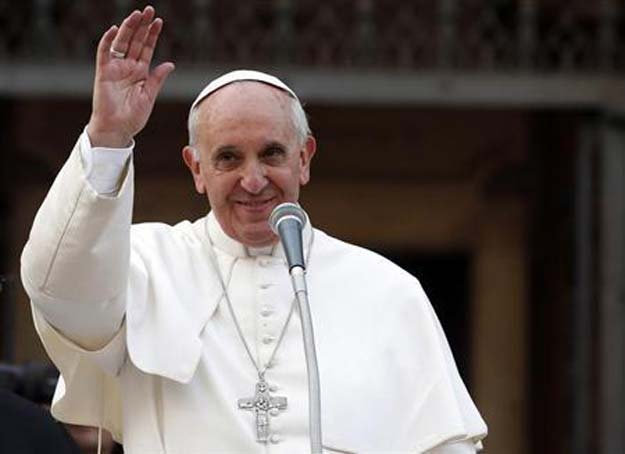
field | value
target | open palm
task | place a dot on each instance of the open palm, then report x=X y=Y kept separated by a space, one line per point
x=125 y=88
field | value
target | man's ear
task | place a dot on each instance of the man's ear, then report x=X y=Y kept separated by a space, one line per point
x=306 y=154
x=191 y=158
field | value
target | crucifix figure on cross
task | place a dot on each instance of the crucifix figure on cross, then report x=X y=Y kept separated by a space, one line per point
x=262 y=403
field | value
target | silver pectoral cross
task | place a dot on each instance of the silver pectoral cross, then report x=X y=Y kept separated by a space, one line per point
x=261 y=404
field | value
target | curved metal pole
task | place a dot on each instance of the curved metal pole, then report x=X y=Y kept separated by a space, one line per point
x=298 y=279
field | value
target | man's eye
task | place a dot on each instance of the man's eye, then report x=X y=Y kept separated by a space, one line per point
x=226 y=157
x=225 y=160
x=274 y=153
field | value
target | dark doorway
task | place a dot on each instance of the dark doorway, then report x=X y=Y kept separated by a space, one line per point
x=445 y=279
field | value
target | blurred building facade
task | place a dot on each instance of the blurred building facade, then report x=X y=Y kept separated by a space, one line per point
x=478 y=143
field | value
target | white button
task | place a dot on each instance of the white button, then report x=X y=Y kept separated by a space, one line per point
x=265 y=286
x=273 y=388
x=263 y=262
x=266 y=311
x=275 y=438
x=274 y=412
x=268 y=339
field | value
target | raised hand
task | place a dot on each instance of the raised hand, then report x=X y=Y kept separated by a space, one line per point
x=125 y=88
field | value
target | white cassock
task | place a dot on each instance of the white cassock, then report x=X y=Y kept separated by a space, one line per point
x=154 y=355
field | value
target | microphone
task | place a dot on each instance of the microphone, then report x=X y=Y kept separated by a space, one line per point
x=287 y=220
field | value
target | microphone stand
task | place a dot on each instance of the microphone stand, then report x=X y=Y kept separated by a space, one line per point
x=287 y=221
x=298 y=279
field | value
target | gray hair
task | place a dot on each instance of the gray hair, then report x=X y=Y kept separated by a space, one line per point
x=298 y=117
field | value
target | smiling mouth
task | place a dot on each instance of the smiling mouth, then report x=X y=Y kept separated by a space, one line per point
x=255 y=204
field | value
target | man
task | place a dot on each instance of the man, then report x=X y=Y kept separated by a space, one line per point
x=164 y=335
x=26 y=426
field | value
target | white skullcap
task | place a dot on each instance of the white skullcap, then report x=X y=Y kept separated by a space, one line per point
x=239 y=75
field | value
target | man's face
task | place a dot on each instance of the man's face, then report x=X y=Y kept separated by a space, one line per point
x=251 y=158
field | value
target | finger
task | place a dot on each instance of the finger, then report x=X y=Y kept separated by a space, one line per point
x=138 y=39
x=150 y=42
x=121 y=43
x=104 y=46
x=157 y=78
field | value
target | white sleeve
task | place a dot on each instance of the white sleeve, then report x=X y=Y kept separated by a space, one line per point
x=462 y=447
x=75 y=268
x=104 y=167
x=75 y=263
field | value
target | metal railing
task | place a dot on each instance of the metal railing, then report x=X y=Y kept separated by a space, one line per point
x=561 y=36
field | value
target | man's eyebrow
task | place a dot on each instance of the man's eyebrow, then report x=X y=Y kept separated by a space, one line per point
x=226 y=149
x=274 y=144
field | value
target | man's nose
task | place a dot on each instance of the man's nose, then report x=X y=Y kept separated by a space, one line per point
x=254 y=178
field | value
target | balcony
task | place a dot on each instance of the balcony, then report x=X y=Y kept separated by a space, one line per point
x=486 y=51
